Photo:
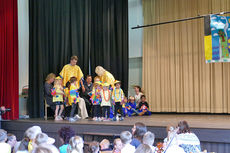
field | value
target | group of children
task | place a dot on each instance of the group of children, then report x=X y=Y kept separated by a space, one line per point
x=107 y=101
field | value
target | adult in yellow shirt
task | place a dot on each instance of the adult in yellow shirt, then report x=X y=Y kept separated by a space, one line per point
x=105 y=76
x=72 y=70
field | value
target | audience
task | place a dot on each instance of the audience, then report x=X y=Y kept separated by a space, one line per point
x=43 y=138
x=138 y=131
x=126 y=138
x=11 y=140
x=45 y=148
x=117 y=145
x=105 y=146
x=94 y=147
x=148 y=139
x=76 y=145
x=24 y=146
x=144 y=148
x=5 y=148
x=65 y=133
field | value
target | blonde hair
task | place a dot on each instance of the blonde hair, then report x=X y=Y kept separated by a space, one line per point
x=50 y=76
x=74 y=144
x=99 y=70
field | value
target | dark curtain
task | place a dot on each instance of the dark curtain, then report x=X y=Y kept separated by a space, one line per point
x=62 y=28
x=109 y=38
x=9 y=57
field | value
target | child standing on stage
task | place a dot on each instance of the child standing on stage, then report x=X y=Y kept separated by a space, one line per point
x=73 y=98
x=118 y=97
x=58 y=93
x=96 y=101
x=105 y=102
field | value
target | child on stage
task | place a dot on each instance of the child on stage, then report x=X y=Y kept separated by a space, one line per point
x=57 y=93
x=96 y=101
x=73 y=98
x=131 y=107
x=105 y=102
x=118 y=97
x=143 y=107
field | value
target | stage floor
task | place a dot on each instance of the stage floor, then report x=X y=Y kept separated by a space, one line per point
x=158 y=120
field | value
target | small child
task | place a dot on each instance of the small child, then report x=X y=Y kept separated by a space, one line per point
x=124 y=106
x=76 y=145
x=143 y=106
x=131 y=107
x=118 y=97
x=96 y=101
x=117 y=145
x=73 y=98
x=105 y=102
x=57 y=93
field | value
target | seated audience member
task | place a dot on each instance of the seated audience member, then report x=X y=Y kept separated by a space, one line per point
x=94 y=147
x=30 y=134
x=24 y=146
x=47 y=90
x=65 y=133
x=126 y=138
x=144 y=148
x=11 y=140
x=117 y=145
x=105 y=146
x=85 y=95
x=5 y=148
x=43 y=138
x=45 y=148
x=186 y=139
x=138 y=131
x=76 y=145
x=148 y=139
x=143 y=106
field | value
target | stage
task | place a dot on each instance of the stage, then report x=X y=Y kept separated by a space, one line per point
x=212 y=130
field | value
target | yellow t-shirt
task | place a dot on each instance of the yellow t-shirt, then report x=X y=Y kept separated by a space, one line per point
x=69 y=71
x=118 y=95
x=58 y=97
x=108 y=78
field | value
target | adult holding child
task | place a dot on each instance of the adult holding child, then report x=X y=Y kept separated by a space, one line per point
x=73 y=70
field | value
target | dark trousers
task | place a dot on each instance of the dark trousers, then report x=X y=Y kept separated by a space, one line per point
x=104 y=109
x=96 y=111
x=73 y=109
x=118 y=106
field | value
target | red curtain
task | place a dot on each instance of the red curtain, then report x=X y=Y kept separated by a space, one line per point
x=9 y=57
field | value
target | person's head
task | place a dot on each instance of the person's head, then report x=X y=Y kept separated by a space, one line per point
x=73 y=60
x=89 y=79
x=117 y=84
x=58 y=81
x=97 y=85
x=97 y=79
x=43 y=138
x=183 y=127
x=148 y=138
x=137 y=89
x=3 y=135
x=99 y=70
x=117 y=144
x=94 y=147
x=50 y=78
x=32 y=132
x=125 y=100
x=126 y=137
x=24 y=144
x=131 y=99
x=144 y=148
x=67 y=85
x=138 y=130
x=76 y=143
x=45 y=148
x=11 y=139
x=73 y=80
x=65 y=133
x=104 y=144
x=143 y=98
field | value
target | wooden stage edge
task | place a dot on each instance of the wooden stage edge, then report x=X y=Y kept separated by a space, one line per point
x=212 y=130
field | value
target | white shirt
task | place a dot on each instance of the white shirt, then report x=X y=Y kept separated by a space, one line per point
x=105 y=97
x=128 y=148
x=5 y=148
